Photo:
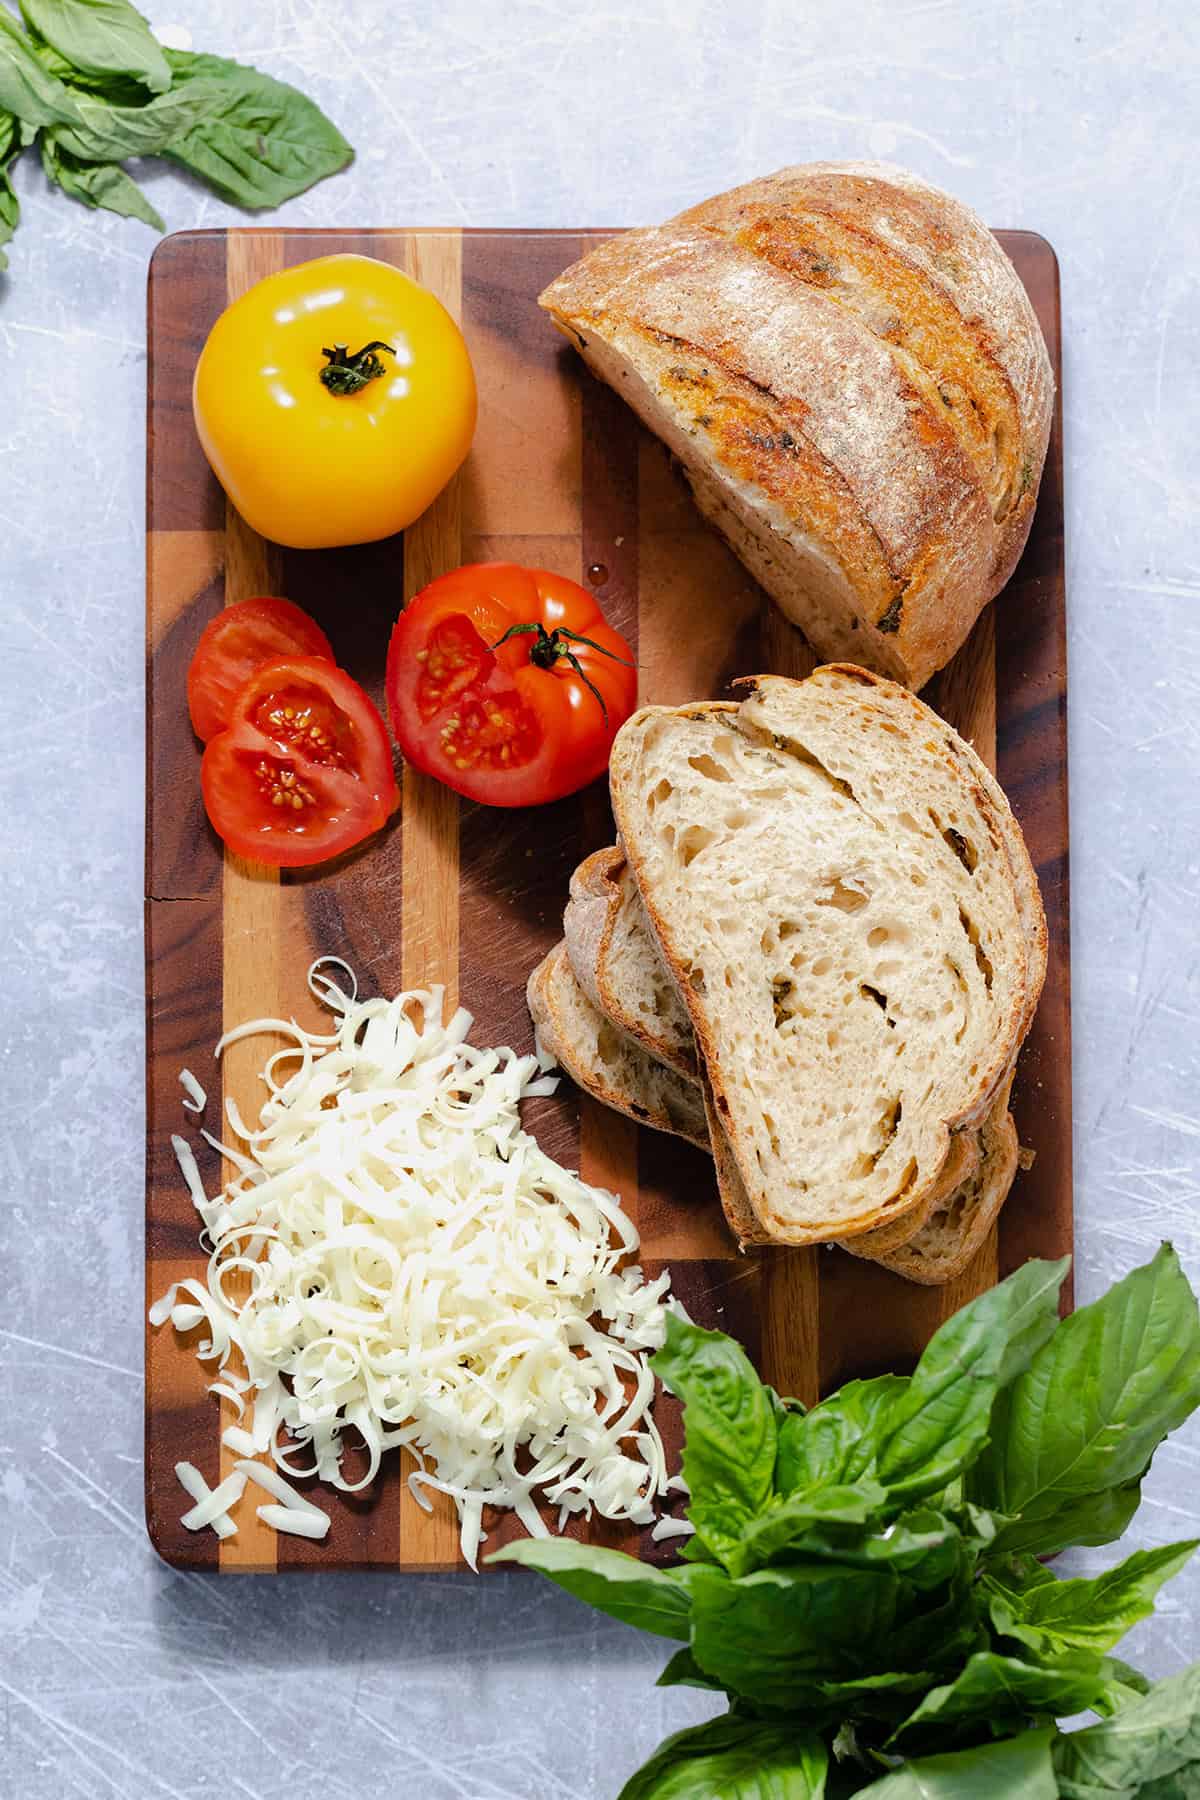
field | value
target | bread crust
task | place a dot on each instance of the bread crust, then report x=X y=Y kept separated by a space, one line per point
x=590 y=923
x=670 y=1103
x=851 y=373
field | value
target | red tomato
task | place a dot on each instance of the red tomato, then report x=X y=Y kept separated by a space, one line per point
x=234 y=644
x=512 y=722
x=304 y=769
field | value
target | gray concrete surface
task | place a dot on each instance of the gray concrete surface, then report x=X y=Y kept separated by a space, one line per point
x=119 y=1677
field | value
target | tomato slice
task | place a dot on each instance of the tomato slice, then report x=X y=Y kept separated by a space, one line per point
x=304 y=769
x=513 y=722
x=234 y=644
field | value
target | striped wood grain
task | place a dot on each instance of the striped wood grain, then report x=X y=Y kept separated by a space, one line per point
x=561 y=475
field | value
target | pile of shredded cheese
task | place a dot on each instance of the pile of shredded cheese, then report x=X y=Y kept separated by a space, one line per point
x=420 y=1270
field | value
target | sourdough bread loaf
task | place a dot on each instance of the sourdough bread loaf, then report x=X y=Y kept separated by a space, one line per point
x=848 y=369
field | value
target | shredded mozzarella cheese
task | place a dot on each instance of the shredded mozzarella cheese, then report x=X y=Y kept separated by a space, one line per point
x=423 y=1272
x=211 y=1503
x=195 y=1097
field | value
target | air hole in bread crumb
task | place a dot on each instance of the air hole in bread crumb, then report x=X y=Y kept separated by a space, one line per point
x=846 y=897
x=822 y=965
x=788 y=929
x=658 y=794
x=870 y=993
x=695 y=839
x=877 y=938
x=709 y=767
x=696 y=980
x=906 y=1181
x=963 y=848
x=981 y=957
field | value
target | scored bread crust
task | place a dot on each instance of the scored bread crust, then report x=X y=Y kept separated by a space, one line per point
x=847 y=367
x=605 y=1063
x=604 y=918
x=977 y=805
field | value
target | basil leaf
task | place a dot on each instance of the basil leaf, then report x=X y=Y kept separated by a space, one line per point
x=100 y=132
x=941 y=1424
x=97 y=184
x=638 y=1594
x=1090 y=1614
x=27 y=90
x=836 y=1442
x=1182 y=1784
x=684 y=1671
x=1122 y=1686
x=998 y=1692
x=1146 y=1741
x=774 y=1635
x=10 y=206
x=1019 y=1769
x=261 y=142
x=786 y=1520
x=1087 y=1415
x=729 y=1431
x=923 y=1546
x=101 y=39
x=733 y=1759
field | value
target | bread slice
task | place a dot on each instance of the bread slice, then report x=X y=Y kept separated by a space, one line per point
x=832 y=887
x=617 y=962
x=930 y=1251
x=945 y=1246
x=848 y=369
x=603 y=1061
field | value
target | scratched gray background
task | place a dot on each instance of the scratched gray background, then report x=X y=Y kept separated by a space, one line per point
x=118 y=1676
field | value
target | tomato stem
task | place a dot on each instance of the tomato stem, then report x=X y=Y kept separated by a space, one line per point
x=551 y=648
x=346 y=374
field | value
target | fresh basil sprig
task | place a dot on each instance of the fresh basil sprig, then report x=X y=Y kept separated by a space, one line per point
x=90 y=81
x=863 y=1581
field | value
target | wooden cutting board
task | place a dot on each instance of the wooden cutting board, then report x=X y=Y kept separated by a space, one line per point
x=560 y=475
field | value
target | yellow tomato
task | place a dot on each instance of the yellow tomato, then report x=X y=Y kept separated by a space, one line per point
x=334 y=401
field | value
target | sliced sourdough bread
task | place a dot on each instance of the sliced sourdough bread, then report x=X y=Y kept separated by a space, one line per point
x=927 y=1250
x=617 y=962
x=832 y=885
x=606 y=1063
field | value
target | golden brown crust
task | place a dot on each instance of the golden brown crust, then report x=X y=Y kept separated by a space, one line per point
x=660 y=1098
x=848 y=354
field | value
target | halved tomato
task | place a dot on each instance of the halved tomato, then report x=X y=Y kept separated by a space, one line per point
x=304 y=769
x=507 y=684
x=239 y=640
